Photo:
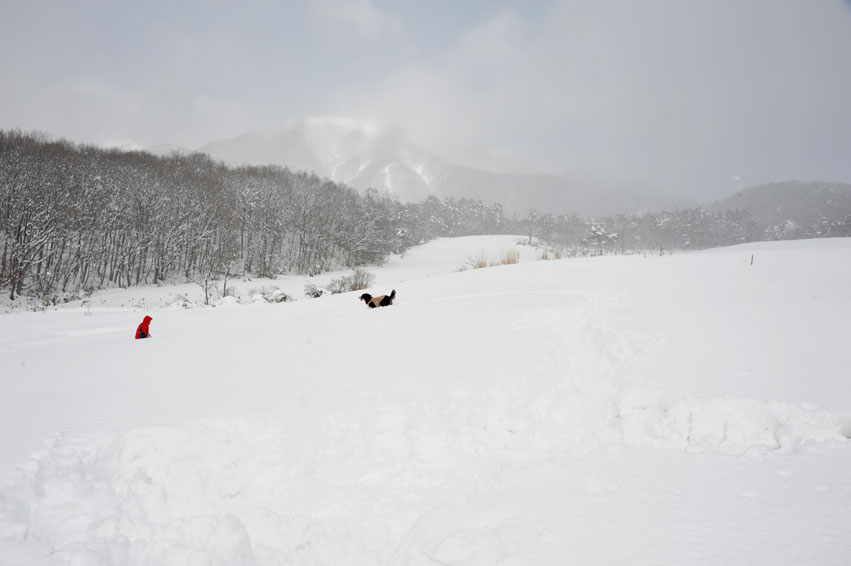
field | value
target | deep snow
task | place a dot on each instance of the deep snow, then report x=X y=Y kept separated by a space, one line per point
x=684 y=409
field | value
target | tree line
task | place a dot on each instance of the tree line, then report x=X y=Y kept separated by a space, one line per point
x=77 y=218
x=680 y=229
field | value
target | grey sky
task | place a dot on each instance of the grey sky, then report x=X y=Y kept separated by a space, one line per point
x=694 y=97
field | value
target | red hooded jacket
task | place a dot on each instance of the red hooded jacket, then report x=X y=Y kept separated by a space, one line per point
x=142 y=331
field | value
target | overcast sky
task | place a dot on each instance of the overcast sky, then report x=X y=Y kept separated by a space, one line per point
x=695 y=97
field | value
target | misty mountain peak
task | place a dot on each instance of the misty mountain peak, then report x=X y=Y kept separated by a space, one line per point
x=365 y=154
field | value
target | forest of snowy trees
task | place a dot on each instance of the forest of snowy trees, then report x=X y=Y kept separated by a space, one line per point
x=79 y=218
x=74 y=219
x=693 y=228
x=680 y=229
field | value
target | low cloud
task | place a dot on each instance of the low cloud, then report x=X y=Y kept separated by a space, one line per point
x=685 y=96
x=362 y=16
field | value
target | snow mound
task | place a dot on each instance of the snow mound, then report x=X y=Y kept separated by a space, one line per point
x=344 y=487
x=731 y=426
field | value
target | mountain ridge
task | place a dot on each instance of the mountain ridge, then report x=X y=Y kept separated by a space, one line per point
x=796 y=202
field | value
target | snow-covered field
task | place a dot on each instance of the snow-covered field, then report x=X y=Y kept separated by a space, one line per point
x=687 y=409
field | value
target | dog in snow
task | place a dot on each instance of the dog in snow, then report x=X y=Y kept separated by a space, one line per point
x=382 y=301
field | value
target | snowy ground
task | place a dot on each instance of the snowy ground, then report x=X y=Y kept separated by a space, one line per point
x=687 y=409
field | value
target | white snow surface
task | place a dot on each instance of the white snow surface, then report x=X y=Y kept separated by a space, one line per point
x=667 y=410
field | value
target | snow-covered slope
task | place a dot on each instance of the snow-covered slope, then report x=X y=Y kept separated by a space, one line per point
x=685 y=409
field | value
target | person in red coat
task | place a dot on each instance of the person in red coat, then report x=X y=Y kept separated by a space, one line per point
x=142 y=331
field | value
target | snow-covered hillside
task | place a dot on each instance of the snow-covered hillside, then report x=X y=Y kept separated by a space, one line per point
x=685 y=409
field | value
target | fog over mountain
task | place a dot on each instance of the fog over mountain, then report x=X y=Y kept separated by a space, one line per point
x=364 y=155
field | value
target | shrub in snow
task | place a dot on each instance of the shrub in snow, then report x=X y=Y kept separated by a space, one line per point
x=483 y=259
x=181 y=301
x=479 y=260
x=59 y=298
x=338 y=285
x=279 y=296
x=510 y=257
x=547 y=253
x=359 y=279
x=270 y=295
x=311 y=290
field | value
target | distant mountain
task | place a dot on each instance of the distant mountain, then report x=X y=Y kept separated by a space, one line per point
x=802 y=204
x=363 y=156
x=320 y=145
